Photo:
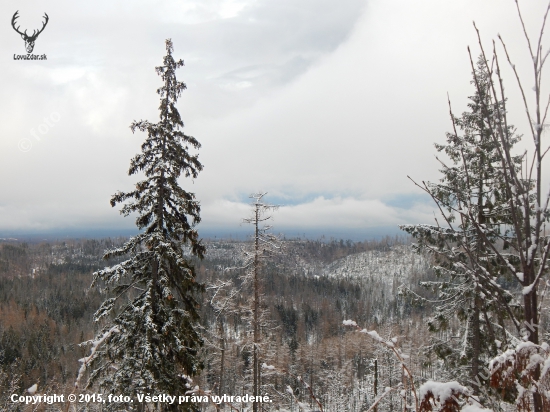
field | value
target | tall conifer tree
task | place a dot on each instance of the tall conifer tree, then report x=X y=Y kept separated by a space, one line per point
x=150 y=342
x=470 y=194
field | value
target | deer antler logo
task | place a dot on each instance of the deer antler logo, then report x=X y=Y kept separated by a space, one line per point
x=29 y=40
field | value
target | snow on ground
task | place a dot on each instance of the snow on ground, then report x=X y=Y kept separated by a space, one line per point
x=386 y=266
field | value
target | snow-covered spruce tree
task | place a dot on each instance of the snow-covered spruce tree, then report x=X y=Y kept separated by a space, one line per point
x=527 y=257
x=470 y=194
x=524 y=256
x=149 y=343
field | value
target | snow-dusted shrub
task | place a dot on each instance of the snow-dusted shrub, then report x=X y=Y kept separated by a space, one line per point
x=522 y=371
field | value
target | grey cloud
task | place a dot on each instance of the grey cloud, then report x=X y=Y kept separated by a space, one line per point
x=306 y=99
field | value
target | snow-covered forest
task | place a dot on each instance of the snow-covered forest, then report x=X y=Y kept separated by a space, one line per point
x=452 y=315
x=49 y=306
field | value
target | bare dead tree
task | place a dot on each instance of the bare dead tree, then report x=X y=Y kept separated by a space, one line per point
x=518 y=244
x=245 y=300
x=527 y=257
x=265 y=245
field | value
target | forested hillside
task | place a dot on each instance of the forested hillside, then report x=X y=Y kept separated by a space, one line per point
x=308 y=291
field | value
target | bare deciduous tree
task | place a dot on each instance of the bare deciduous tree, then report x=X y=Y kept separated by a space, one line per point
x=518 y=244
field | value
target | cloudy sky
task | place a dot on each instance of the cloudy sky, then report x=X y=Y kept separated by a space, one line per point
x=327 y=105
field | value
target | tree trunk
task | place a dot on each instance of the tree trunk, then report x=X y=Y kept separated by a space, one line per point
x=222 y=360
x=375 y=382
x=255 y=367
x=476 y=344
